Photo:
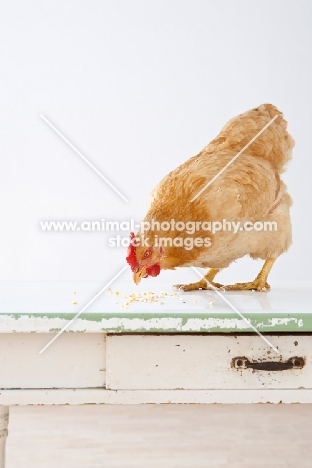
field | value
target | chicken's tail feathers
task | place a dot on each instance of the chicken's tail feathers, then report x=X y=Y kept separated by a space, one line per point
x=283 y=142
x=274 y=143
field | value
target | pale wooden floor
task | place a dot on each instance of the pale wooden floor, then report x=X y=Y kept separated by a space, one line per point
x=164 y=436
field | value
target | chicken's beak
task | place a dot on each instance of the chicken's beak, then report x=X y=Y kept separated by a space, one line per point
x=138 y=275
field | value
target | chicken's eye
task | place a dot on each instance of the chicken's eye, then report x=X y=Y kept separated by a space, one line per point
x=147 y=253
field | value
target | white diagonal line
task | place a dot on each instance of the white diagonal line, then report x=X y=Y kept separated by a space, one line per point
x=233 y=159
x=83 y=309
x=84 y=158
x=236 y=310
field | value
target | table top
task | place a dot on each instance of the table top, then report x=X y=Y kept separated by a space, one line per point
x=36 y=307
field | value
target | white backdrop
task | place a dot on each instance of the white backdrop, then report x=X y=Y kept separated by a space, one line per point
x=138 y=87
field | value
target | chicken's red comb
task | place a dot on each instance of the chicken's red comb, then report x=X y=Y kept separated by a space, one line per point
x=131 y=258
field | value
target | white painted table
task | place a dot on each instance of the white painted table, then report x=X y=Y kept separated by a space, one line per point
x=181 y=349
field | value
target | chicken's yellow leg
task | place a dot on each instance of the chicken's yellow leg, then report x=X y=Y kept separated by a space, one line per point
x=203 y=283
x=260 y=283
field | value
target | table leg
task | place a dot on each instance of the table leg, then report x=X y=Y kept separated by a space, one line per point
x=4 y=421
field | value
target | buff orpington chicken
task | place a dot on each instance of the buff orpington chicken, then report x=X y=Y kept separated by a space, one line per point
x=215 y=208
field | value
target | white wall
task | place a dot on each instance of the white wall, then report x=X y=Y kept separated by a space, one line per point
x=138 y=87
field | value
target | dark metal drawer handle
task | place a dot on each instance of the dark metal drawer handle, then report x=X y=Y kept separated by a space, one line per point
x=291 y=363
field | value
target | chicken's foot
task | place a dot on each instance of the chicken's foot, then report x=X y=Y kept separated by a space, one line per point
x=203 y=283
x=259 y=284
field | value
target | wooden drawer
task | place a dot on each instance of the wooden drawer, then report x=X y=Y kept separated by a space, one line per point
x=74 y=360
x=152 y=362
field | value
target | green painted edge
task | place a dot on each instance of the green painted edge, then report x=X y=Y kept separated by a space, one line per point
x=265 y=323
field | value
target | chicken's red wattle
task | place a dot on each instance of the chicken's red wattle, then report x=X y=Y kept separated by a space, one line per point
x=153 y=270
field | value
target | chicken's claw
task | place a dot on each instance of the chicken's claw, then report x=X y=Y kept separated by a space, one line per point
x=252 y=285
x=259 y=284
x=202 y=284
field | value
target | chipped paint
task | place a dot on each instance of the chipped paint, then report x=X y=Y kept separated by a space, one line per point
x=283 y=321
x=195 y=324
